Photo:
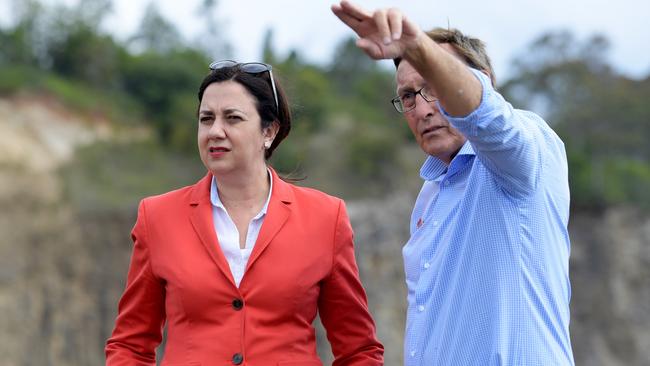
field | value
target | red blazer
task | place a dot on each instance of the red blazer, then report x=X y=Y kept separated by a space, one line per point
x=303 y=262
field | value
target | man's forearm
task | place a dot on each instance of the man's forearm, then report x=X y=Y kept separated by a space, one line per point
x=455 y=86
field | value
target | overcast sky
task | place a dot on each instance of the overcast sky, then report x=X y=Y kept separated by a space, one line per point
x=507 y=26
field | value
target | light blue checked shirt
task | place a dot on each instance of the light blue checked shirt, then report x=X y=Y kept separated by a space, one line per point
x=487 y=264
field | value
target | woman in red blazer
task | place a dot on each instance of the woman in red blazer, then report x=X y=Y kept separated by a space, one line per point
x=239 y=264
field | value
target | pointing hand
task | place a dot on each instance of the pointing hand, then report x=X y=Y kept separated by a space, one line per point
x=383 y=34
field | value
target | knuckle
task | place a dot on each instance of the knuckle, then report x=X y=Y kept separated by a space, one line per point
x=379 y=14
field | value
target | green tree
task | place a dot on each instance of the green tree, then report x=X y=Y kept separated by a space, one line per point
x=213 y=40
x=23 y=44
x=349 y=66
x=602 y=116
x=156 y=34
x=79 y=52
x=164 y=84
x=268 y=53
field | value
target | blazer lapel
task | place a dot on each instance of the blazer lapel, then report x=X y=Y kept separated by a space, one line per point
x=201 y=218
x=276 y=216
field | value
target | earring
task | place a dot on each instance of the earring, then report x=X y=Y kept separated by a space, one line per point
x=267 y=144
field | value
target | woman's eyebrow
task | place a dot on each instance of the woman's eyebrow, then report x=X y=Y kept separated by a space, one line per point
x=206 y=112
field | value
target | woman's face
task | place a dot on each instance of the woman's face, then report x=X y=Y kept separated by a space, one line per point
x=230 y=136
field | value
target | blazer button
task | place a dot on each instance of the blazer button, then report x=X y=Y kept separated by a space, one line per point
x=237 y=304
x=237 y=359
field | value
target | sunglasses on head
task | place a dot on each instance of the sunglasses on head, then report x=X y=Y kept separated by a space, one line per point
x=249 y=68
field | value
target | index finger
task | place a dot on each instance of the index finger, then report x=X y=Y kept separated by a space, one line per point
x=355 y=11
x=346 y=18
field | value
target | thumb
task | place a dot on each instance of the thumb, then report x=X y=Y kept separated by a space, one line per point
x=371 y=48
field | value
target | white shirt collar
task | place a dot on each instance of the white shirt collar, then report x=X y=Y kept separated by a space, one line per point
x=216 y=201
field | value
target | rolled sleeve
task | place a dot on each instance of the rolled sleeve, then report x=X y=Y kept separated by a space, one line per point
x=508 y=141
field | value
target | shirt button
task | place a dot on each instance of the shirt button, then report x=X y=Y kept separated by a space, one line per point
x=435 y=223
x=427 y=265
x=237 y=359
x=237 y=304
x=421 y=308
x=413 y=353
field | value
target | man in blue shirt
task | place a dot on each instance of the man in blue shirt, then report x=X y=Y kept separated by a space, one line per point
x=487 y=262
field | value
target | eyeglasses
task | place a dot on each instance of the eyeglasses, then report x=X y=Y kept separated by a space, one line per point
x=406 y=102
x=249 y=68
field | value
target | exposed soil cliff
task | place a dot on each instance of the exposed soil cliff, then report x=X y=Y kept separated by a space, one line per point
x=62 y=268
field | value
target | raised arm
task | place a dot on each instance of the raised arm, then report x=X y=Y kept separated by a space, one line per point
x=389 y=34
x=514 y=145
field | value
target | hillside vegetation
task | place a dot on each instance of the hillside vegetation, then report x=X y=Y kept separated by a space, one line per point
x=345 y=138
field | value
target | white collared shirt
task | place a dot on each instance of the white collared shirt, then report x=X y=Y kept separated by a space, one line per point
x=228 y=235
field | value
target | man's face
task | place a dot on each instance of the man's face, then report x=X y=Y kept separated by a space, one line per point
x=432 y=131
